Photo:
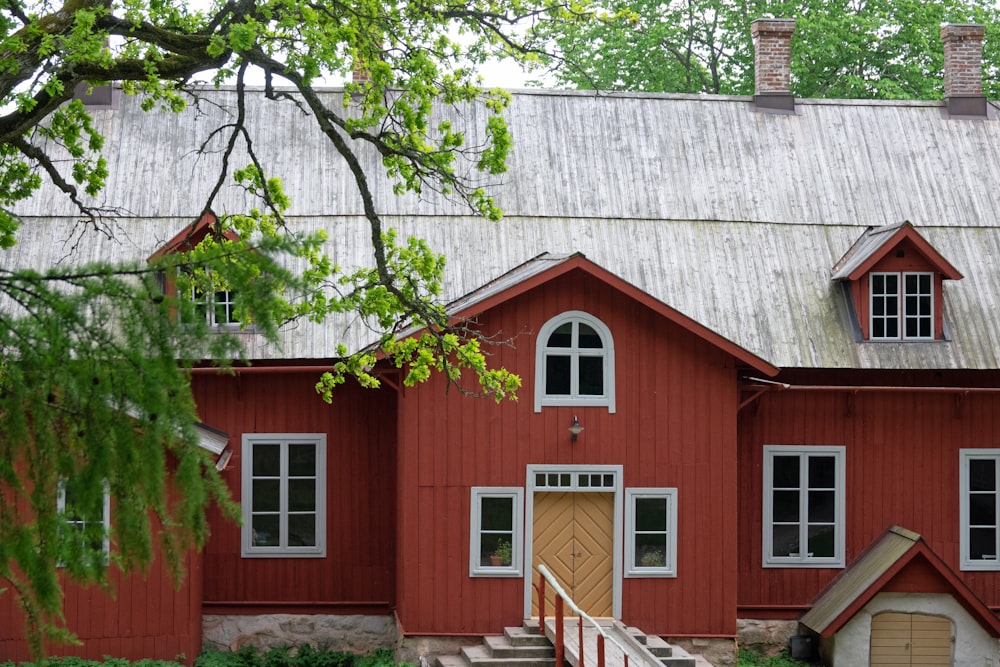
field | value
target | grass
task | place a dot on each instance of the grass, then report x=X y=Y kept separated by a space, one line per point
x=751 y=659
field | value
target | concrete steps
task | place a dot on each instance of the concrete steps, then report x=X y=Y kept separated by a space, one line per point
x=516 y=647
x=527 y=646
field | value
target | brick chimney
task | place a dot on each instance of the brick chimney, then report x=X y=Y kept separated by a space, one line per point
x=772 y=43
x=963 y=69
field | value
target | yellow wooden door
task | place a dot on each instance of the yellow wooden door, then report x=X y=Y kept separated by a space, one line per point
x=910 y=639
x=573 y=534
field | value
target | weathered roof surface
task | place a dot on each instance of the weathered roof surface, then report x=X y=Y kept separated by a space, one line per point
x=867 y=575
x=731 y=217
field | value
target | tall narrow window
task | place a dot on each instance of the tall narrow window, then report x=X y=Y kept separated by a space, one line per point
x=651 y=532
x=574 y=362
x=979 y=481
x=495 y=544
x=87 y=520
x=284 y=495
x=803 y=506
x=902 y=306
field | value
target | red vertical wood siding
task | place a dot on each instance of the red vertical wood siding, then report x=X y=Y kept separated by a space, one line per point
x=675 y=426
x=140 y=616
x=360 y=424
x=902 y=467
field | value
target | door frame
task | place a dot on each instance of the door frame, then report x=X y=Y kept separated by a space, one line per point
x=617 y=529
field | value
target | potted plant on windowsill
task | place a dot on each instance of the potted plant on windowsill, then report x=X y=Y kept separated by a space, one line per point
x=653 y=558
x=502 y=554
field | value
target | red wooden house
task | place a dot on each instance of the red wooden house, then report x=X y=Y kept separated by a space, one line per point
x=774 y=321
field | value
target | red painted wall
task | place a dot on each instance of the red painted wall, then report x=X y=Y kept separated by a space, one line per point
x=902 y=467
x=675 y=426
x=140 y=617
x=356 y=574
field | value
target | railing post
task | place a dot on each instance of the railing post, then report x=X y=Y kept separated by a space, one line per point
x=559 y=631
x=541 y=602
x=600 y=650
x=580 y=635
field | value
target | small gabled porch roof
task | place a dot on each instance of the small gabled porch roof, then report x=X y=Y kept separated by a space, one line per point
x=545 y=267
x=877 y=242
x=882 y=565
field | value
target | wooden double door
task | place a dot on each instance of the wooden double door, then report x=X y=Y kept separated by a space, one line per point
x=910 y=639
x=573 y=535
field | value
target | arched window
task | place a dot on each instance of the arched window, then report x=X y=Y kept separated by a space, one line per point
x=574 y=362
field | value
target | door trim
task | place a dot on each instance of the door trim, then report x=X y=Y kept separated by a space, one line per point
x=617 y=529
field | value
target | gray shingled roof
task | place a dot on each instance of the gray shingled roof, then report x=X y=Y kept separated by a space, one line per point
x=732 y=217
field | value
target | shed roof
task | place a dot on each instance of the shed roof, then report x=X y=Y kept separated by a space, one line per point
x=729 y=217
x=889 y=555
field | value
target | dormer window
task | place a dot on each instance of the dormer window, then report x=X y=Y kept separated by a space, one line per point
x=217 y=308
x=894 y=284
x=574 y=362
x=906 y=298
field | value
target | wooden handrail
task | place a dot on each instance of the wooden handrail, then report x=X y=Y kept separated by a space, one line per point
x=562 y=597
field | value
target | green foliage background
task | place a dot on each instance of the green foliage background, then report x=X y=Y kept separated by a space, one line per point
x=867 y=49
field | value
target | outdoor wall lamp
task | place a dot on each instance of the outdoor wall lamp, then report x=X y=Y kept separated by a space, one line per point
x=575 y=429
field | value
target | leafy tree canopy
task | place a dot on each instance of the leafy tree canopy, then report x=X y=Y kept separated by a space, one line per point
x=885 y=49
x=94 y=379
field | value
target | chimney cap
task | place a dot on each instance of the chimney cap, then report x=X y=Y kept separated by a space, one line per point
x=772 y=25
x=957 y=31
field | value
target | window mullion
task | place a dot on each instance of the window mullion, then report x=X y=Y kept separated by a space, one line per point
x=283 y=496
x=804 y=507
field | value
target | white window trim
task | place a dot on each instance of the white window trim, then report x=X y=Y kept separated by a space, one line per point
x=105 y=512
x=516 y=567
x=317 y=551
x=608 y=354
x=806 y=561
x=669 y=569
x=967 y=563
x=901 y=310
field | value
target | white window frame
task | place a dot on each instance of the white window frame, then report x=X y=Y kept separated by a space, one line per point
x=607 y=353
x=966 y=561
x=105 y=519
x=839 y=453
x=669 y=568
x=283 y=550
x=901 y=314
x=516 y=496
x=209 y=300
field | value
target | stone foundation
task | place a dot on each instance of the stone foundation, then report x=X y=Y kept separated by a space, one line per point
x=767 y=638
x=354 y=634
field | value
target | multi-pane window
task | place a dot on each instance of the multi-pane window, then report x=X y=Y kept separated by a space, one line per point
x=284 y=494
x=495 y=543
x=803 y=506
x=902 y=306
x=87 y=518
x=574 y=362
x=651 y=532
x=216 y=308
x=980 y=509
